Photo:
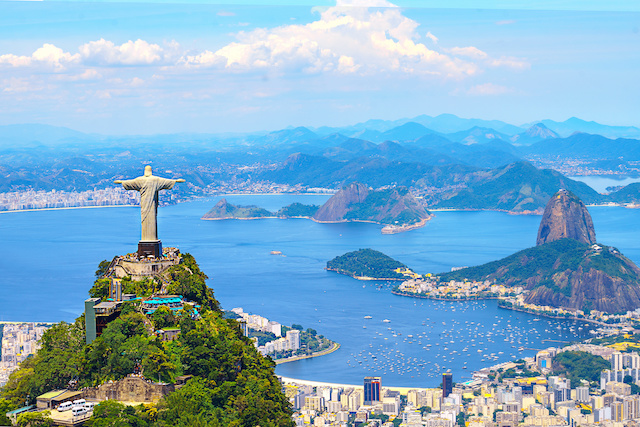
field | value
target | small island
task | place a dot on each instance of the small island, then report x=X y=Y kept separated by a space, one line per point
x=225 y=210
x=369 y=264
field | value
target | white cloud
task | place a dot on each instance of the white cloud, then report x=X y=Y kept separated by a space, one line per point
x=363 y=36
x=87 y=75
x=511 y=62
x=48 y=55
x=488 y=89
x=469 y=52
x=105 y=52
x=506 y=22
x=17 y=85
x=225 y=13
x=431 y=37
x=136 y=82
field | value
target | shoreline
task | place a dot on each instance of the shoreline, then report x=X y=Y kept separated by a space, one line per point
x=288 y=380
x=535 y=313
x=410 y=295
x=386 y=229
x=334 y=347
x=408 y=227
x=364 y=278
x=68 y=208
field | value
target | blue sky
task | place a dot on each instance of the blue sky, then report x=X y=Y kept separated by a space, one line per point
x=156 y=67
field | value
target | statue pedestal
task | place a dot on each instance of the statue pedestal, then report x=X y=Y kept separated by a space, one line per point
x=146 y=249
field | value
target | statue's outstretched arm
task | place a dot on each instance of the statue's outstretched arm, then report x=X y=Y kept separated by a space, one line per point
x=118 y=181
x=180 y=180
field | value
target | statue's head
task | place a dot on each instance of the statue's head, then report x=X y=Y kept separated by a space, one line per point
x=147 y=170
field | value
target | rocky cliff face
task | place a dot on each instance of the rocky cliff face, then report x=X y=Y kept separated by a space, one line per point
x=390 y=206
x=340 y=203
x=566 y=217
x=567 y=268
x=222 y=209
x=591 y=288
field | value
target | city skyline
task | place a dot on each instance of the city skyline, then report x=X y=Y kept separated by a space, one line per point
x=119 y=68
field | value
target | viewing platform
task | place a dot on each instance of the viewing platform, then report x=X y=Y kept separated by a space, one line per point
x=139 y=268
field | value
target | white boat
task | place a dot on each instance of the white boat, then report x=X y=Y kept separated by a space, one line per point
x=367 y=317
x=386 y=321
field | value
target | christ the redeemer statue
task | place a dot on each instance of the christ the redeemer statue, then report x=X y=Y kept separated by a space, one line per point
x=149 y=185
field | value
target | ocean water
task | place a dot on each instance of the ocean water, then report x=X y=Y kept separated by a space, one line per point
x=48 y=258
x=600 y=183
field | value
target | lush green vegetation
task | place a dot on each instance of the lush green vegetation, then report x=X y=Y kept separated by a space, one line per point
x=263 y=337
x=518 y=187
x=579 y=365
x=224 y=209
x=366 y=262
x=298 y=210
x=544 y=260
x=552 y=263
x=628 y=379
x=380 y=201
x=233 y=385
x=102 y=268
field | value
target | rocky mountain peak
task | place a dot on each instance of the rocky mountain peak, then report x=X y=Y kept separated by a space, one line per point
x=566 y=217
x=539 y=130
x=338 y=205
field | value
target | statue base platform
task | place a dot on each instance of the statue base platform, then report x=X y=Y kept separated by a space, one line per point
x=146 y=249
x=138 y=268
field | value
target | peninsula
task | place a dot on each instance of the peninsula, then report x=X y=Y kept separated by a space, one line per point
x=567 y=269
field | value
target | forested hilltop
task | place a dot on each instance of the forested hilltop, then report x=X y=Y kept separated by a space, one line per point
x=232 y=384
x=367 y=263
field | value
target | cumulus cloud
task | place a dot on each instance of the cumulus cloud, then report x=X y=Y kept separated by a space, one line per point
x=105 y=52
x=48 y=55
x=355 y=36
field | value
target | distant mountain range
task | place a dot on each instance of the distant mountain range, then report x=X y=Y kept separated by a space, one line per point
x=452 y=162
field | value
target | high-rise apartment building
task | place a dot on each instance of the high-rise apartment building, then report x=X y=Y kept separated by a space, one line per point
x=447 y=384
x=372 y=390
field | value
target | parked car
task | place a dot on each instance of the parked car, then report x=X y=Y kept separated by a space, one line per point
x=65 y=406
x=78 y=410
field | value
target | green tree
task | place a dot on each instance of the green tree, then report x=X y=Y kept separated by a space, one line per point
x=35 y=419
x=460 y=419
x=111 y=413
x=579 y=365
x=628 y=379
x=102 y=268
x=5 y=406
x=163 y=317
x=187 y=280
x=100 y=288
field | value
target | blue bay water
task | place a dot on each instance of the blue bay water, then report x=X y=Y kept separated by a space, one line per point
x=47 y=261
